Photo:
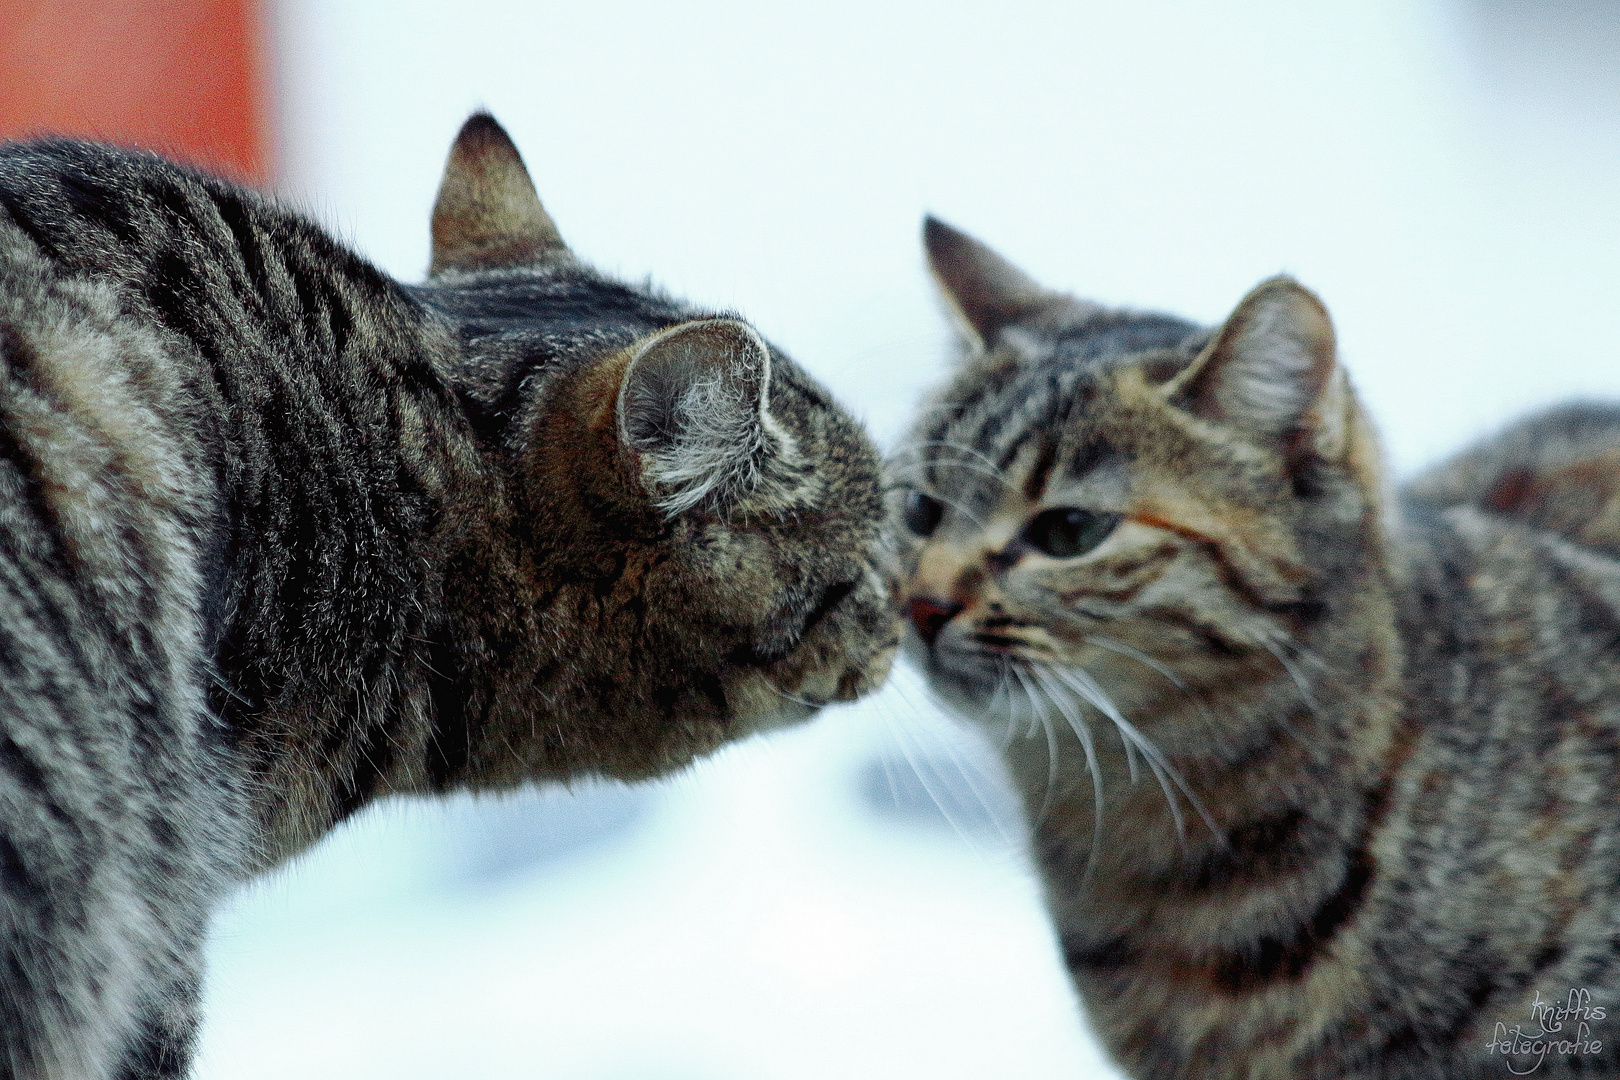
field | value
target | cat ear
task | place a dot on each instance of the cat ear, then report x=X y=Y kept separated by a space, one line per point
x=487 y=215
x=985 y=291
x=1272 y=369
x=694 y=404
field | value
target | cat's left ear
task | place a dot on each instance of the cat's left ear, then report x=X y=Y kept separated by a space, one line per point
x=1272 y=372
x=487 y=215
x=694 y=405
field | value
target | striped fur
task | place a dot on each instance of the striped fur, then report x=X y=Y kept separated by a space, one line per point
x=1377 y=736
x=279 y=536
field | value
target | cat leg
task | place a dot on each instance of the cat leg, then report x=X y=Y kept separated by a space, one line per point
x=100 y=962
x=72 y=950
x=165 y=1036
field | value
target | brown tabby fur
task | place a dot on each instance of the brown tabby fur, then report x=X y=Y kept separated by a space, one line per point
x=1377 y=826
x=280 y=536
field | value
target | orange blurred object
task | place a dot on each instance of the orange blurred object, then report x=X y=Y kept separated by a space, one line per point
x=186 y=78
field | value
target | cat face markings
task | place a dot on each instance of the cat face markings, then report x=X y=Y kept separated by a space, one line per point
x=722 y=471
x=1322 y=678
x=1107 y=550
x=979 y=580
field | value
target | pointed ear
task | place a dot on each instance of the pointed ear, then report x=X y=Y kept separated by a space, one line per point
x=1272 y=369
x=487 y=215
x=694 y=404
x=985 y=291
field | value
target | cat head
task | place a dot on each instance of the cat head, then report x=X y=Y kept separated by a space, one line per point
x=705 y=524
x=1117 y=506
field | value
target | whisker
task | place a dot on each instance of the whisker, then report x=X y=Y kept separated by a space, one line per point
x=796 y=700
x=1051 y=763
x=972 y=775
x=1306 y=695
x=1087 y=687
x=1130 y=737
x=968 y=466
x=1294 y=673
x=945 y=444
x=903 y=742
x=1003 y=690
x=1138 y=655
x=1082 y=731
x=1154 y=663
x=958 y=507
x=1299 y=651
x=1051 y=745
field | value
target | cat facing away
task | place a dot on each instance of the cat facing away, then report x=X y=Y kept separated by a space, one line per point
x=279 y=536
x=1324 y=779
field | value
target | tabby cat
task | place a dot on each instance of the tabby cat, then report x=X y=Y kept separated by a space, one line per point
x=1324 y=780
x=279 y=536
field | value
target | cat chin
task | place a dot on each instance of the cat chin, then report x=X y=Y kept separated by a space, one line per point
x=949 y=666
x=761 y=706
x=968 y=694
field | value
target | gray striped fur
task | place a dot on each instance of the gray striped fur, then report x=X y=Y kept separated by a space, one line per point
x=279 y=536
x=1322 y=778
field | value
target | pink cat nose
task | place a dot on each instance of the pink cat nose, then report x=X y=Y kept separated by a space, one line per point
x=929 y=616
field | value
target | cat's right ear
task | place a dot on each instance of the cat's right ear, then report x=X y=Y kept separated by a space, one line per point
x=986 y=292
x=694 y=407
x=488 y=215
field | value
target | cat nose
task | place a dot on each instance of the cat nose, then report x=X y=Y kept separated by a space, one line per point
x=930 y=616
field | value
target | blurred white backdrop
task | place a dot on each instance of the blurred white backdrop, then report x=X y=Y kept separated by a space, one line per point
x=851 y=899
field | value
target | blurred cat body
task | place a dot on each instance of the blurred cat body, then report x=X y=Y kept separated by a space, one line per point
x=1378 y=735
x=279 y=535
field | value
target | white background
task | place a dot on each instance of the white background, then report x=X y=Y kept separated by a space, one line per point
x=1445 y=173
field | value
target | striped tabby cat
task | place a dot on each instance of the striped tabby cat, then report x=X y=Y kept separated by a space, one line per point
x=279 y=536
x=1378 y=828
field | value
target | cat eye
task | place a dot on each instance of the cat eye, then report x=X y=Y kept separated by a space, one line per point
x=1067 y=531
x=922 y=513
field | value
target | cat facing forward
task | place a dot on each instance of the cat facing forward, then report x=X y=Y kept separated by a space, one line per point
x=1324 y=780
x=279 y=536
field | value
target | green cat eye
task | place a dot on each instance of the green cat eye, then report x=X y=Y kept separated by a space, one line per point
x=1067 y=531
x=922 y=513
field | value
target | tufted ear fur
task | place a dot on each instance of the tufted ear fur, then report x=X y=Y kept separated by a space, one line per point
x=1272 y=371
x=694 y=404
x=986 y=292
x=487 y=215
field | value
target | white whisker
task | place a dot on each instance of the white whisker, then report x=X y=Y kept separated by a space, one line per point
x=958 y=507
x=796 y=700
x=1077 y=724
x=1138 y=655
x=1084 y=685
x=1295 y=674
x=1003 y=690
x=945 y=444
x=972 y=776
x=1051 y=745
x=936 y=463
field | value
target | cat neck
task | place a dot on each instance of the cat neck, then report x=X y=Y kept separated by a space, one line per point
x=1287 y=748
x=351 y=493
